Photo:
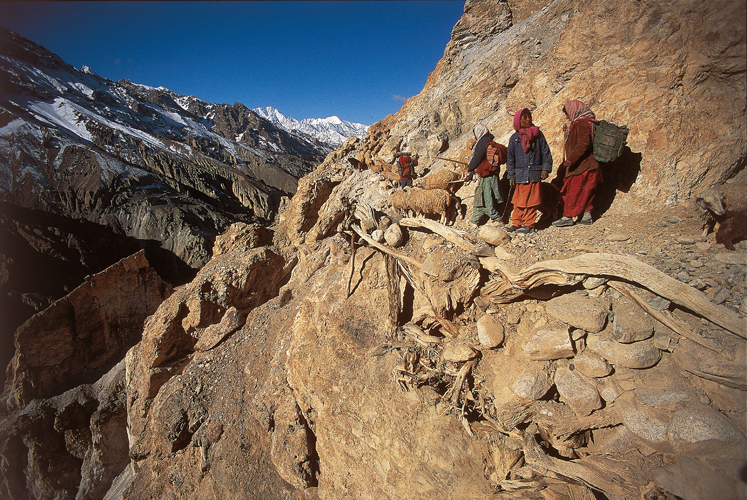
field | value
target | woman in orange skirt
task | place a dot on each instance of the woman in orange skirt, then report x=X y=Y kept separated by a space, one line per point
x=529 y=162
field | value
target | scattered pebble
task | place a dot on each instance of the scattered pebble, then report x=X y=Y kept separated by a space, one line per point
x=618 y=236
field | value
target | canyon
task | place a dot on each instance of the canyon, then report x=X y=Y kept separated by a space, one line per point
x=305 y=357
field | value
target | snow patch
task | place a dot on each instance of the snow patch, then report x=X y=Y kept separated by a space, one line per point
x=88 y=92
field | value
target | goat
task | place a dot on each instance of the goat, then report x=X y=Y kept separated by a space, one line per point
x=725 y=211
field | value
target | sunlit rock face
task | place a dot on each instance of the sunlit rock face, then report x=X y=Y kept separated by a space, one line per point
x=303 y=362
x=672 y=71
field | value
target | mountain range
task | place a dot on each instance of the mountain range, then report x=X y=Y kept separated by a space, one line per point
x=117 y=166
x=331 y=130
x=346 y=350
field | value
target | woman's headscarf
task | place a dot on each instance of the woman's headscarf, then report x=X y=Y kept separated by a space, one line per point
x=479 y=130
x=576 y=111
x=528 y=135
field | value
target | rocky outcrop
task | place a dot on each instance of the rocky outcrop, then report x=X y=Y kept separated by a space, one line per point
x=302 y=369
x=63 y=418
x=323 y=390
x=314 y=360
x=639 y=64
x=82 y=335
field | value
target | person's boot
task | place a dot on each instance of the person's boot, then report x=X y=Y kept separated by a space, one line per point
x=586 y=219
x=524 y=230
x=511 y=228
x=563 y=222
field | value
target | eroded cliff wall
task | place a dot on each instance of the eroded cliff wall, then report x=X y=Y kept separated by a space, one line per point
x=304 y=363
x=672 y=71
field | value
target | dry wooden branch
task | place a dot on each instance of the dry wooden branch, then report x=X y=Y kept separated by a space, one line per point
x=395 y=305
x=449 y=328
x=465 y=424
x=512 y=413
x=589 y=471
x=365 y=213
x=463 y=372
x=384 y=249
x=453 y=235
x=564 y=428
x=352 y=265
x=571 y=271
x=664 y=317
x=419 y=336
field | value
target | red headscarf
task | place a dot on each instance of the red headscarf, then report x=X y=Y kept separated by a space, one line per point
x=528 y=135
x=576 y=111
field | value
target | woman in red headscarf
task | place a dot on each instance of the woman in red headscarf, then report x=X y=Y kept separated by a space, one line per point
x=528 y=162
x=582 y=173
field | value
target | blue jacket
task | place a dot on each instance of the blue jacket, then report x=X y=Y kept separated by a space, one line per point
x=527 y=167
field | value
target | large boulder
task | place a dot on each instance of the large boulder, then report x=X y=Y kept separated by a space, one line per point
x=81 y=336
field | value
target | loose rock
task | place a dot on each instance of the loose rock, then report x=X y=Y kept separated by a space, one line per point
x=576 y=390
x=549 y=342
x=489 y=331
x=638 y=355
x=534 y=382
x=456 y=352
x=631 y=323
x=394 y=235
x=493 y=235
x=618 y=237
x=700 y=429
x=591 y=364
x=581 y=312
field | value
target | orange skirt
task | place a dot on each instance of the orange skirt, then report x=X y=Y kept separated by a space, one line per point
x=527 y=195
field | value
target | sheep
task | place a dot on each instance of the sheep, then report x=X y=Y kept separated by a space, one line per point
x=441 y=179
x=424 y=201
x=725 y=211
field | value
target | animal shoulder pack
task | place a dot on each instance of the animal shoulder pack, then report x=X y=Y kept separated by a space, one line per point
x=609 y=139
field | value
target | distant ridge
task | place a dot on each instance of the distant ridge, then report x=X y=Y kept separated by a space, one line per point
x=331 y=130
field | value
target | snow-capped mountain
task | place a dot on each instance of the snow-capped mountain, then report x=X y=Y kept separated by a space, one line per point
x=331 y=130
x=116 y=167
x=49 y=108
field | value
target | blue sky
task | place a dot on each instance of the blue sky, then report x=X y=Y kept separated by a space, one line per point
x=358 y=60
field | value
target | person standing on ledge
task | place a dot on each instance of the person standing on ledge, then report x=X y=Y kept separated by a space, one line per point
x=486 y=161
x=406 y=164
x=582 y=172
x=529 y=162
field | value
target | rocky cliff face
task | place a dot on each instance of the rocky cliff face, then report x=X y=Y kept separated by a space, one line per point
x=349 y=352
x=673 y=72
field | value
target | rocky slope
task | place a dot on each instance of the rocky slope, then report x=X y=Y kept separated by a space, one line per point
x=321 y=358
x=672 y=71
x=93 y=170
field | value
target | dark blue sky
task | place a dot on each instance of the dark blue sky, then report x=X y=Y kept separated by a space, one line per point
x=357 y=60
